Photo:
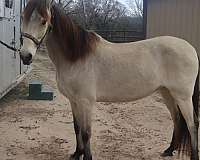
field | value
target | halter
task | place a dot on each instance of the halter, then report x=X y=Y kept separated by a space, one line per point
x=35 y=40
x=28 y=36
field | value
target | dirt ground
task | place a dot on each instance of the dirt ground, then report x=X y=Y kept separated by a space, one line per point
x=43 y=130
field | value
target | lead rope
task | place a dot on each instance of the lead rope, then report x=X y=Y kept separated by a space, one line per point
x=9 y=47
x=38 y=44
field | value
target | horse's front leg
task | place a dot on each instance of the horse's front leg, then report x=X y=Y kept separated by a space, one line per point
x=79 y=143
x=82 y=115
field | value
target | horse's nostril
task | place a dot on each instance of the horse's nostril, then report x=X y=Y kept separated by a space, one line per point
x=29 y=57
x=26 y=58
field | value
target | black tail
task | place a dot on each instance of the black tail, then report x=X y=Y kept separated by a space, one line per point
x=183 y=139
x=195 y=98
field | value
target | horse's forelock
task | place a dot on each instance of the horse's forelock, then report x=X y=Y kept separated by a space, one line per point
x=32 y=5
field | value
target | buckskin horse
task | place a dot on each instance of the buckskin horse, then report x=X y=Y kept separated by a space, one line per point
x=90 y=69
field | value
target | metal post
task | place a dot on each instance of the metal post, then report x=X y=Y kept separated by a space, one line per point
x=84 y=13
x=145 y=18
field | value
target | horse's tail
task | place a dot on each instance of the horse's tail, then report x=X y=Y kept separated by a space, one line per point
x=183 y=143
x=195 y=98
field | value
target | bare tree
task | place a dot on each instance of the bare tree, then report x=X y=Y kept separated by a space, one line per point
x=99 y=12
x=112 y=10
x=94 y=14
x=136 y=7
x=68 y=5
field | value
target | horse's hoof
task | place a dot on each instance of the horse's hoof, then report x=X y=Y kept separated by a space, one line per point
x=74 y=157
x=90 y=158
x=167 y=154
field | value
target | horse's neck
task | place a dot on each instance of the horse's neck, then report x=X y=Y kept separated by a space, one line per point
x=54 y=51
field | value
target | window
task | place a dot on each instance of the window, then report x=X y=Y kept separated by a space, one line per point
x=9 y=3
x=8 y=9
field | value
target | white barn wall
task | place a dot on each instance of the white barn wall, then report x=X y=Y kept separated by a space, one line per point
x=11 y=69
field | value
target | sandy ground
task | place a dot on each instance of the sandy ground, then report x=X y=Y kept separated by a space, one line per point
x=43 y=130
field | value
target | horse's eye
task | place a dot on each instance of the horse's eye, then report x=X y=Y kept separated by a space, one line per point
x=43 y=22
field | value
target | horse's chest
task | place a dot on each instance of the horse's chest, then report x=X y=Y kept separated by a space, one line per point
x=64 y=85
x=61 y=86
x=75 y=85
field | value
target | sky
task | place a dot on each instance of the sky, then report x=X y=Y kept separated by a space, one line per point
x=123 y=2
x=126 y=3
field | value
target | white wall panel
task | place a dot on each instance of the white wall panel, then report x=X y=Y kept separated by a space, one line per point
x=10 y=65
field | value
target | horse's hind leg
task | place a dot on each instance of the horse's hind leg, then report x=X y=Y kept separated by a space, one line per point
x=185 y=135
x=186 y=108
x=172 y=107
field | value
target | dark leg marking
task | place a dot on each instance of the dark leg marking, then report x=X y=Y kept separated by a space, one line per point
x=169 y=151
x=86 y=135
x=195 y=150
x=170 y=103
x=79 y=148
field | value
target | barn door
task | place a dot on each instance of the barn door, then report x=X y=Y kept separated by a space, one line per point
x=7 y=62
x=19 y=6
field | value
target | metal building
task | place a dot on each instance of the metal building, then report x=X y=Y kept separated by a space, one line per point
x=178 y=18
x=12 y=71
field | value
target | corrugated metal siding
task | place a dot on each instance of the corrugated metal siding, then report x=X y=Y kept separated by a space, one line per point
x=178 y=18
x=7 y=74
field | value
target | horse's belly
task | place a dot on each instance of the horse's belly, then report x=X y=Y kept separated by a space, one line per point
x=127 y=76
x=125 y=92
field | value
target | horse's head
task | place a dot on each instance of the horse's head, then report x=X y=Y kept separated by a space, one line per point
x=36 y=21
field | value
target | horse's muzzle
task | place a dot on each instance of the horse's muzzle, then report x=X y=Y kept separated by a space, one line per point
x=26 y=58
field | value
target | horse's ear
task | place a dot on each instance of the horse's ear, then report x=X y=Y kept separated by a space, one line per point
x=49 y=3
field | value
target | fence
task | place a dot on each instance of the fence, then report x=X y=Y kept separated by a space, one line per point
x=119 y=36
